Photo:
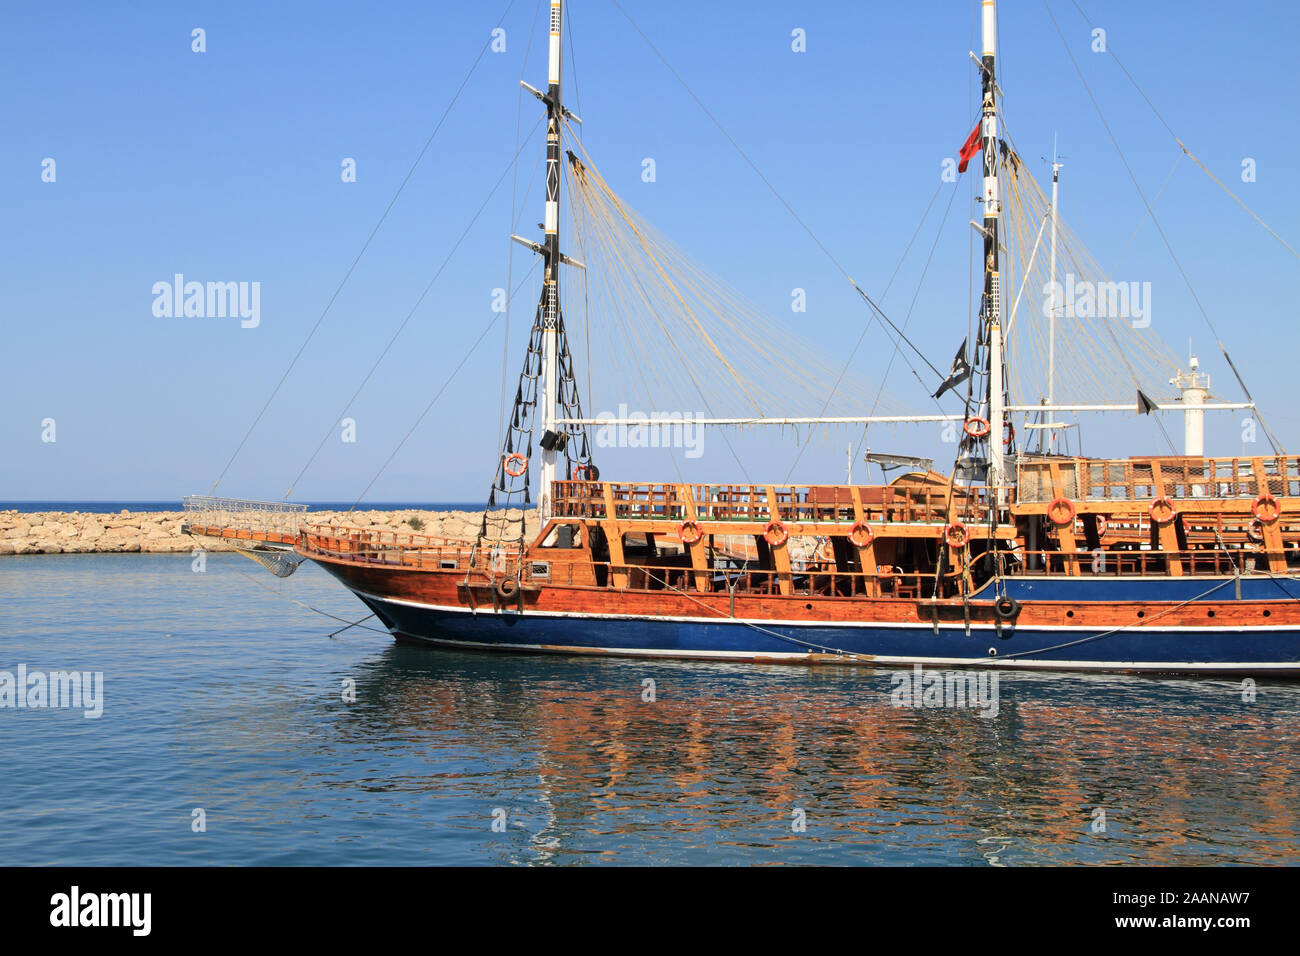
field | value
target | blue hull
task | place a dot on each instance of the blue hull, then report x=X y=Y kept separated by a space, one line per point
x=1273 y=650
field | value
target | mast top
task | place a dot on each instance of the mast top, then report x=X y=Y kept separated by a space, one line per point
x=989 y=26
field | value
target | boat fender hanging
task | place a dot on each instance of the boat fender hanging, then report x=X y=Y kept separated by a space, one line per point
x=977 y=427
x=955 y=534
x=861 y=535
x=507 y=588
x=1162 y=510
x=1006 y=608
x=1266 y=509
x=689 y=531
x=520 y=463
x=1061 y=511
x=775 y=533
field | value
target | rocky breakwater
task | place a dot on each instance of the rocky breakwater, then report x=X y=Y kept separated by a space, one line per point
x=62 y=532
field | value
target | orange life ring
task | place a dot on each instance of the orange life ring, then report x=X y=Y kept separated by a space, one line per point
x=583 y=472
x=861 y=535
x=775 y=533
x=955 y=534
x=1163 y=504
x=519 y=459
x=1255 y=531
x=1269 y=507
x=977 y=427
x=689 y=531
x=1011 y=434
x=1102 y=524
x=1059 y=503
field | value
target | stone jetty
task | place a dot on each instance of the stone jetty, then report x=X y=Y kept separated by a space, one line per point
x=61 y=532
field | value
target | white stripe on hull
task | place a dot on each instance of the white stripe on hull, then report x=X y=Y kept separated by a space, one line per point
x=1156 y=667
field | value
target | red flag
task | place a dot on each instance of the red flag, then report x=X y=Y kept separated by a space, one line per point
x=969 y=148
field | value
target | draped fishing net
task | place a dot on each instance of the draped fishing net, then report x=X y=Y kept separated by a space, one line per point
x=663 y=331
x=280 y=563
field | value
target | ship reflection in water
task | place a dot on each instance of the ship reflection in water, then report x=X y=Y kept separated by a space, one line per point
x=727 y=762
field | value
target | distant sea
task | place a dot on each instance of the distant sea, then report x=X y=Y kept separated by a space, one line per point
x=112 y=507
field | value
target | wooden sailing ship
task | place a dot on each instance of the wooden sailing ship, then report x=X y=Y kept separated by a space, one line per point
x=1170 y=563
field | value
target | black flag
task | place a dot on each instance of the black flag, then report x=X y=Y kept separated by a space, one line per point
x=960 y=371
x=1145 y=406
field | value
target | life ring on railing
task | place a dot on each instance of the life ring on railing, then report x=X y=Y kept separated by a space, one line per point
x=689 y=531
x=956 y=535
x=517 y=459
x=1006 y=608
x=586 y=472
x=1061 y=511
x=861 y=535
x=977 y=427
x=507 y=588
x=1165 y=507
x=1266 y=509
x=1102 y=524
x=775 y=533
x=1255 y=531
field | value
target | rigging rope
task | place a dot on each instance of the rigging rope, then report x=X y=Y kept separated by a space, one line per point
x=1160 y=229
x=366 y=245
x=409 y=315
x=781 y=199
x=437 y=395
x=1183 y=146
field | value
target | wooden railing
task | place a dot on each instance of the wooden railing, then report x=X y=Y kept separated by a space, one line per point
x=592 y=500
x=386 y=547
x=1141 y=479
x=1134 y=563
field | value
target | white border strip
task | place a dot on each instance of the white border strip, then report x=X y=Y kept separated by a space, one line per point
x=1162 y=667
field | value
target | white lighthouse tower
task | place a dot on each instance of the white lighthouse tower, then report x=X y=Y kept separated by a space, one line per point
x=1195 y=388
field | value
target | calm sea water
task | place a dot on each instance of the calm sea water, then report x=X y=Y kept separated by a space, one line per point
x=222 y=694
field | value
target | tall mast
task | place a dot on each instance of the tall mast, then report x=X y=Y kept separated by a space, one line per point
x=550 y=304
x=1051 y=320
x=992 y=283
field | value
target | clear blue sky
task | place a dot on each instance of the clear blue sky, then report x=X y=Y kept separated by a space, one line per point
x=225 y=165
